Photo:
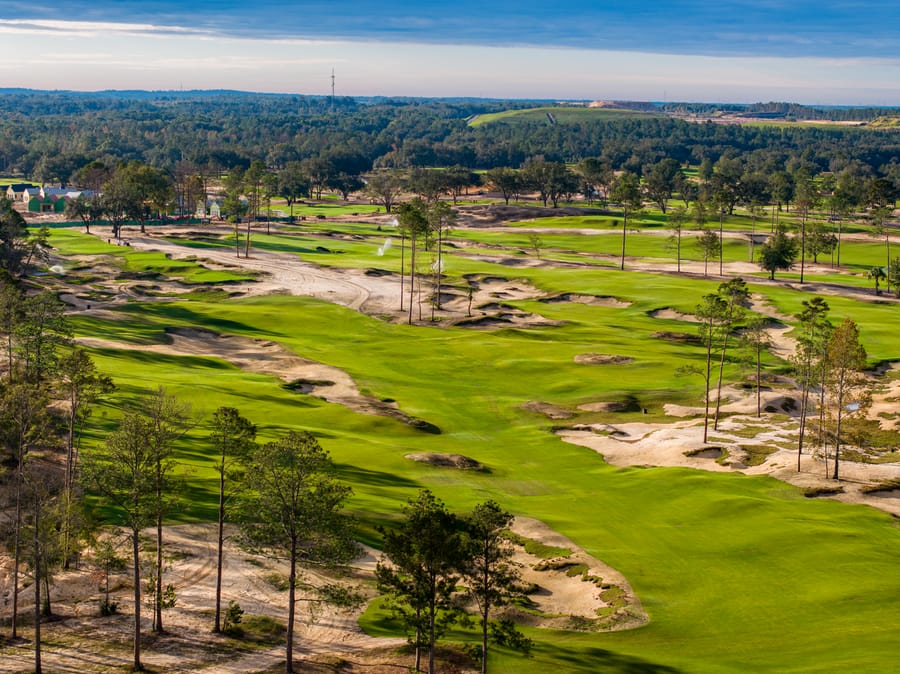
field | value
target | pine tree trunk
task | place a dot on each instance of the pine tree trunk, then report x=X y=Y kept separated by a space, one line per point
x=135 y=550
x=37 y=588
x=802 y=246
x=16 y=550
x=431 y=611
x=758 y=393
x=719 y=384
x=157 y=617
x=485 y=587
x=412 y=274
x=418 y=646
x=804 y=404
x=220 y=541
x=678 y=253
x=706 y=389
x=837 y=435
x=402 y=255
x=292 y=591
x=721 y=240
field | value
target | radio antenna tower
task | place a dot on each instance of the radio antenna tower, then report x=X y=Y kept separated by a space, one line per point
x=332 y=89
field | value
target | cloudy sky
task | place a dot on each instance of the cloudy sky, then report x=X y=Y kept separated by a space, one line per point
x=827 y=52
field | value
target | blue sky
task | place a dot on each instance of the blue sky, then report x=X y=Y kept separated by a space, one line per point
x=844 y=52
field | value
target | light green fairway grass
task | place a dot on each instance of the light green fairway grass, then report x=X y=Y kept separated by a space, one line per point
x=737 y=573
x=562 y=114
x=141 y=264
x=314 y=209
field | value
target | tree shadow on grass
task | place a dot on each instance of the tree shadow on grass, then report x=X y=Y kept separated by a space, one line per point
x=593 y=660
x=373 y=478
x=184 y=316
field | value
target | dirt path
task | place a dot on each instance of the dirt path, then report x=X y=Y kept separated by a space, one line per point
x=373 y=292
x=289 y=273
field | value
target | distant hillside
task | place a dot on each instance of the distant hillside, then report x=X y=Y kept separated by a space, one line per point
x=791 y=112
x=886 y=122
x=558 y=115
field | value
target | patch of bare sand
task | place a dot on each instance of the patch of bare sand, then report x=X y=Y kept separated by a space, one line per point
x=548 y=410
x=590 y=300
x=269 y=358
x=737 y=400
x=782 y=344
x=613 y=406
x=886 y=399
x=457 y=461
x=744 y=439
x=610 y=601
x=602 y=359
x=670 y=314
x=81 y=641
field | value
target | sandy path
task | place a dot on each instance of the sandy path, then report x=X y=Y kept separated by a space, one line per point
x=376 y=294
x=289 y=273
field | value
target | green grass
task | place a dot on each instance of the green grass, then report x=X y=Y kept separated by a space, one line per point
x=885 y=123
x=140 y=264
x=737 y=573
x=314 y=209
x=563 y=115
x=5 y=182
x=538 y=549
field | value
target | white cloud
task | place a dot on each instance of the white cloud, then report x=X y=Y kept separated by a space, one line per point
x=91 y=28
x=103 y=55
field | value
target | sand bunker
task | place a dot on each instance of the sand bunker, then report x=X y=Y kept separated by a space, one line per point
x=677 y=337
x=668 y=313
x=447 y=461
x=744 y=443
x=591 y=300
x=614 y=406
x=548 y=410
x=602 y=359
x=574 y=585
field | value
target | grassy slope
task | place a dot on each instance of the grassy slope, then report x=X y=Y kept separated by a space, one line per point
x=562 y=115
x=737 y=573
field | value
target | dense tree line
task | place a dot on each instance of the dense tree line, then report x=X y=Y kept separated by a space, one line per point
x=49 y=137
